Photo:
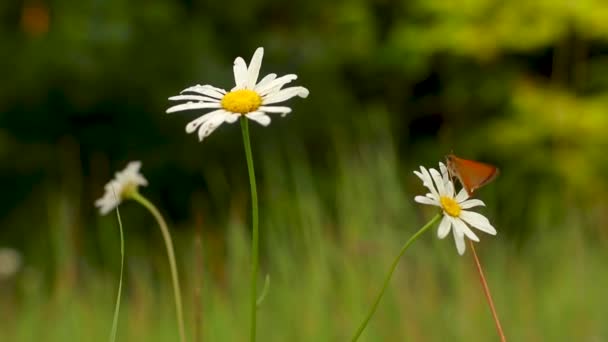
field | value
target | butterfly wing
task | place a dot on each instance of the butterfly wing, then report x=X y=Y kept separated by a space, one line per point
x=471 y=174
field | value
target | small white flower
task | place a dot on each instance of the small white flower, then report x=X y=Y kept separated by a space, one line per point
x=249 y=97
x=124 y=183
x=10 y=262
x=455 y=218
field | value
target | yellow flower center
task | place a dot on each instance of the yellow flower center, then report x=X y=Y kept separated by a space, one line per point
x=450 y=206
x=128 y=190
x=241 y=101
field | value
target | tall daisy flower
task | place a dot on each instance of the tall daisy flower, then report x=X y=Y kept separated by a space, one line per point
x=249 y=98
x=455 y=216
x=124 y=186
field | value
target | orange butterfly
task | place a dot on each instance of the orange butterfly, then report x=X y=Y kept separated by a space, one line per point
x=471 y=174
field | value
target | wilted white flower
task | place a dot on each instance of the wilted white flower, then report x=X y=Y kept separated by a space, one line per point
x=455 y=217
x=10 y=262
x=249 y=97
x=124 y=183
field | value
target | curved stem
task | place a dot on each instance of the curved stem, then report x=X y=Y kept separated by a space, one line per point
x=486 y=290
x=255 y=232
x=390 y=275
x=122 y=265
x=171 y=255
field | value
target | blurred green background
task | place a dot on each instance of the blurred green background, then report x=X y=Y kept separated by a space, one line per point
x=394 y=85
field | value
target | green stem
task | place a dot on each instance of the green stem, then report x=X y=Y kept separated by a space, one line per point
x=118 y=295
x=486 y=290
x=171 y=255
x=390 y=275
x=255 y=232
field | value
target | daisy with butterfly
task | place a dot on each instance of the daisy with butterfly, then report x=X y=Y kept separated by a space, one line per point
x=454 y=216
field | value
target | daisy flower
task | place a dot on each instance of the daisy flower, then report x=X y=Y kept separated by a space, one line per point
x=248 y=98
x=455 y=216
x=121 y=187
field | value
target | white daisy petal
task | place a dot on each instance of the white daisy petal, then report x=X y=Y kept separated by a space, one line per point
x=275 y=84
x=232 y=117
x=193 y=98
x=427 y=181
x=240 y=73
x=104 y=209
x=268 y=78
x=426 y=200
x=109 y=200
x=100 y=202
x=438 y=182
x=129 y=174
x=449 y=188
x=478 y=221
x=444 y=172
x=459 y=240
x=424 y=175
x=211 y=124
x=259 y=117
x=193 y=125
x=444 y=227
x=433 y=197
x=447 y=182
x=140 y=180
x=464 y=228
x=471 y=203
x=192 y=105
x=133 y=166
x=206 y=90
x=443 y=168
x=285 y=94
x=462 y=196
x=254 y=68
x=275 y=109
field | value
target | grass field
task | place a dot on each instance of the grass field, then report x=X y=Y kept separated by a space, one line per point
x=327 y=238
